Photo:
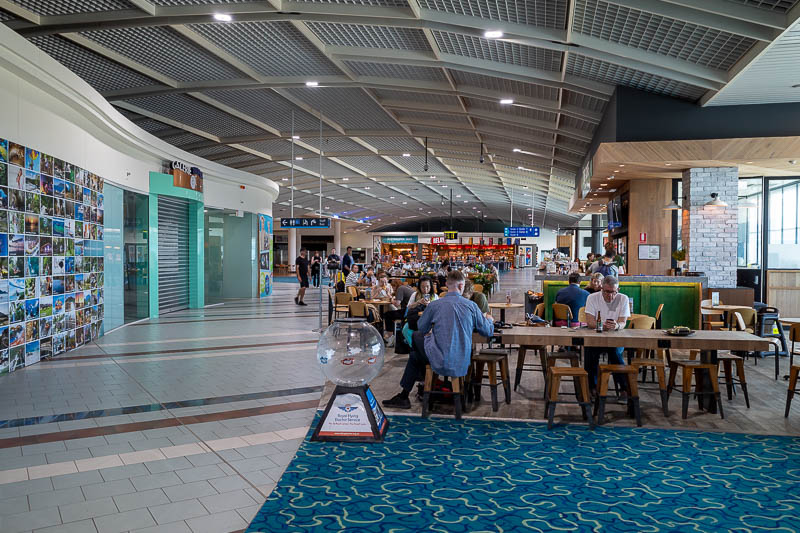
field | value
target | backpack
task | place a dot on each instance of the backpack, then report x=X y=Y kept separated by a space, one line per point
x=605 y=269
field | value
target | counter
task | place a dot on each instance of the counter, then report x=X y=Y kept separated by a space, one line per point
x=681 y=296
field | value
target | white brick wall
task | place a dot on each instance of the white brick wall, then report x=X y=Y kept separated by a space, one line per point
x=709 y=234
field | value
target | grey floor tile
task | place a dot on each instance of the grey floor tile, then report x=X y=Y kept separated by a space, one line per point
x=173 y=512
x=85 y=443
x=21 y=488
x=156 y=481
x=248 y=513
x=202 y=459
x=226 y=521
x=168 y=465
x=15 y=505
x=125 y=437
x=229 y=483
x=92 y=509
x=138 y=500
x=107 y=489
x=200 y=473
x=172 y=527
x=24 y=460
x=83 y=526
x=111 y=449
x=69 y=455
x=250 y=465
x=188 y=491
x=124 y=472
x=227 y=501
x=45 y=447
x=230 y=455
x=77 y=479
x=55 y=498
x=149 y=444
x=258 y=450
x=126 y=521
x=18 y=523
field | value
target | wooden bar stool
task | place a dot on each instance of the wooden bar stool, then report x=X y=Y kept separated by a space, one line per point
x=727 y=360
x=605 y=372
x=550 y=360
x=523 y=366
x=459 y=401
x=659 y=367
x=581 y=380
x=793 y=373
x=495 y=359
x=696 y=369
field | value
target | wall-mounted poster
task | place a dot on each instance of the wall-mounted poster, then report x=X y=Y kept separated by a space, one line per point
x=264 y=255
x=51 y=256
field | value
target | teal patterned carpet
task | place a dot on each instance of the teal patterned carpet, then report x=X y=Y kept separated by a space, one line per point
x=448 y=476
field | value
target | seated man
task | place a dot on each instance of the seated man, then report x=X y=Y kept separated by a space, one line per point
x=573 y=296
x=478 y=297
x=353 y=277
x=614 y=312
x=443 y=338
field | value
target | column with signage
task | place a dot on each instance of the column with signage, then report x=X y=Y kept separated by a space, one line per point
x=176 y=244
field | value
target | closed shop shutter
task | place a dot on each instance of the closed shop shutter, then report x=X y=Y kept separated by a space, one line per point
x=173 y=254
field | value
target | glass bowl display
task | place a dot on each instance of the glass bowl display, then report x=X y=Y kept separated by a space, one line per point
x=351 y=352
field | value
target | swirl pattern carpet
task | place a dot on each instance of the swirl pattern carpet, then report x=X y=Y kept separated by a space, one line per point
x=474 y=475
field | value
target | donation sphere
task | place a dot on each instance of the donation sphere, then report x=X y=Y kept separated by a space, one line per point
x=350 y=352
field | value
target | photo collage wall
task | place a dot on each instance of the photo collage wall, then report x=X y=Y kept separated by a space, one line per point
x=264 y=256
x=51 y=256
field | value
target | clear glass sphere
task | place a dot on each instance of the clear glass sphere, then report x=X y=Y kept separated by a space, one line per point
x=350 y=352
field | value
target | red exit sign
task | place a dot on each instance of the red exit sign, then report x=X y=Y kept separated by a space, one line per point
x=438 y=240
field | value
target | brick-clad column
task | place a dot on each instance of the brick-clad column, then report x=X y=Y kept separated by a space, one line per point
x=710 y=234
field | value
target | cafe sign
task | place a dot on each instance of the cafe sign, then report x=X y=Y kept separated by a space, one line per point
x=186 y=177
x=438 y=240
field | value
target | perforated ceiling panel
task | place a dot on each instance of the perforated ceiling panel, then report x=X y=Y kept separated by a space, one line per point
x=416 y=97
x=335 y=144
x=780 y=6
x=393 y=143
x=66 y=7
x=504 y=86
x=101 y=73
x=370 y=36
x=164 y=51
x=192 y=112
x=271 y=48
x=372 y=165
x=547 y=13
x=577 y=124
x=382 y=3
x=670 y=37
x=268 y=107
x=277 y=148
x=184 y=139
x=403 y=72
x=445 y=120
x=177 y=3
x=500 y=51
x=339 y=105
x=511 y=111
x=330 y=169
x=616 y=75
x=152 y=126
x=589 y=103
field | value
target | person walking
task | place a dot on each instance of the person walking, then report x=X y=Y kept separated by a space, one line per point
x=302 y=276
x=316 y=266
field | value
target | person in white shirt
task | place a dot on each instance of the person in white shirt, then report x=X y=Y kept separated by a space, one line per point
x=614 y=310
x=352 y=277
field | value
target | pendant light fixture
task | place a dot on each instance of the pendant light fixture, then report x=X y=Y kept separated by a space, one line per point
x=715 y=201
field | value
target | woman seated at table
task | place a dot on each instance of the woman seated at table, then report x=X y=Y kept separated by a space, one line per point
x=416 y=304
x=478 y=297
x=383 y=290
x=353 y=277
x=595 y=283
x=369 y=280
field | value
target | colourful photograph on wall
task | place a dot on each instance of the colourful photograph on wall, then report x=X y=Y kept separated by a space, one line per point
x=265 y=255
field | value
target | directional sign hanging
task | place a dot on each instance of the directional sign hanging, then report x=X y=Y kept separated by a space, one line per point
x=521 y=231
x=305 y=223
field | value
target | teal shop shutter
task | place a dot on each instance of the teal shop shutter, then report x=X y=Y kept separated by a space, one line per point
x=173 y=254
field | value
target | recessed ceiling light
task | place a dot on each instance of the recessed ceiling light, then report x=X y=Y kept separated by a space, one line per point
x=458 y=212
x=465 y=201
x=295 y=137
x=298 y=158
x=506 y=101
x=516 y=150
x=312 y=83
x=458 y=196
x=611 y=177
x=391 y=198
x=622 y=165
x=668 y=164
x=406 y=155
x=493 y=34
x=284 y=179
x=444 y=185
x=404 y=203
x=429 y=212
x=616 y=171
x=473 y=207
x=432 y=177
x=222 y=17
x=345 y=179
x=603 y=184
x=748 y=162
x=366 y=188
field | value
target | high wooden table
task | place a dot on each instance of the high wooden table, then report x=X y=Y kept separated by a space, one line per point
x=789 y=321
x=502 y=307
x=708 y=342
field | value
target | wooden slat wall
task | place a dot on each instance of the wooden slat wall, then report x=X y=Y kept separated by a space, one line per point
x=783 y=291
x=646 y=215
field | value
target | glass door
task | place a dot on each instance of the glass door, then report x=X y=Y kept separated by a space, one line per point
x=136 y=255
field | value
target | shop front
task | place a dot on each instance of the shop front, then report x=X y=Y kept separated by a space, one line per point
x=405 y=247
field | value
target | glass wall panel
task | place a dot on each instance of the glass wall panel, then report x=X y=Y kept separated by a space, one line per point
x=749 y=246
x=784 y=235
x=231 y=269
x=136 y=256
x=113 y=247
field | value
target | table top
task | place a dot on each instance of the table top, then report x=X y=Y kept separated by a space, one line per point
x=377 y=302
x=502 y=305
x=634 y=338
x=790 y=320
x=723 y=307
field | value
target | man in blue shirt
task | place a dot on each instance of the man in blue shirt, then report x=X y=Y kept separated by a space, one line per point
x=443 y=338
x=347 y=261
x=573 y=296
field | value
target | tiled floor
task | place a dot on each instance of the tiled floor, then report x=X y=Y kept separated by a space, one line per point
x=180 y=424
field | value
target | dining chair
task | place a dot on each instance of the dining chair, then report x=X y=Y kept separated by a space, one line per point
x=707 y=323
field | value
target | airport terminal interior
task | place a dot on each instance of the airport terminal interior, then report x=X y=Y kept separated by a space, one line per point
x=399 y=266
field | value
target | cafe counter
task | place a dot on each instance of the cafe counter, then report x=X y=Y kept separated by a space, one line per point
x=681 y=296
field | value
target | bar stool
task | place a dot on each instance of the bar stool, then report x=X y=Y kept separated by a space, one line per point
x=550 y=360
x=649 y=359
x=727 y=360
x=495 y=359
x=605 y=372
x=459 y=401
x=793 y=373
x=523 y=366
x=581 y=379
x=690 y=368
x=794 y=336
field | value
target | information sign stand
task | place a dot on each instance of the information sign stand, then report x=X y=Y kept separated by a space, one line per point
x=352 y=415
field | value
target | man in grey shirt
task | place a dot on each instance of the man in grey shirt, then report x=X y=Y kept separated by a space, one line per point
x=443 y=338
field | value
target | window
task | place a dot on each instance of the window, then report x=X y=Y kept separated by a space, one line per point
x=784 y=239
x=749 y=246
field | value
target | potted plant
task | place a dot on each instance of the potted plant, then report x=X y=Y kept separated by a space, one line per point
x=680 y=257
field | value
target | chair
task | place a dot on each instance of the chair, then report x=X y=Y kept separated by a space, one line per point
x=582 y=315
x=581 y=380
x=647 y=359
x=477 y=287
x=658 y=315
x=793 y=373
x=357 y=309
x=491 y=357
x=709 y=324
x=794 y=336
x=642 y=322
x=605 y=372
x=459 y=400
x=539 y=310
x=341 y=303
x=747 y=316
x=353 y=291
x=562 y=313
